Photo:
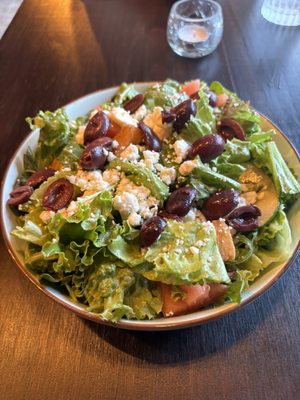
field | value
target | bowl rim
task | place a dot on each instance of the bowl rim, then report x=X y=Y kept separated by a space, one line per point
x=138 y=325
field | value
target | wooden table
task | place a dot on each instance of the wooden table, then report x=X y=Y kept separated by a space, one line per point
x=56 y=51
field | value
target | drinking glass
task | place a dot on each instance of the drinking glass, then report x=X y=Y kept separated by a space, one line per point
x=282 y=12
x=195 y=27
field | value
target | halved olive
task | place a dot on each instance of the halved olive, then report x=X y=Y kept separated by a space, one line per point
x=228 y=128
x=151 y=230
x=97 y=126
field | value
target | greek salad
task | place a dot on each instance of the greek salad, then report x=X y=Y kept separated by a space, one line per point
x=155 y=204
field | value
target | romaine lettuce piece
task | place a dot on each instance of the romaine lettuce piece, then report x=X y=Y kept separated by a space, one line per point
x=239 y=110
x=124 y=93
x=142 y=176
x=286 y=184
x=55 y=130
x=32 y=229
x=144 y=300
x=211 y=178
x=165 y=94
x=178 y=261
x=218 y=88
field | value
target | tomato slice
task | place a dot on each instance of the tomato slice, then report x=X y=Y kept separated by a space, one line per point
x=127 y=135
x=113 y=130
x=191 y=87
x=197 y=296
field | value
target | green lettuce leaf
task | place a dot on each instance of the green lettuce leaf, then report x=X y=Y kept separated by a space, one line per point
x=238 y=110
x=55 y=130
x=165 y=94
x=142 y=176
x=268 y=155
x=174 y=261
x=124 y=93
x=144 y=300
x=211 y=178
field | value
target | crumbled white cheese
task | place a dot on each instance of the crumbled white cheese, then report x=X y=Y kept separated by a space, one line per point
x=91 y=181
x=150 y=158
x=112 y=176
x=110 y=156
x=121 y=117
x=181 y=148
x=70 y=210
x=134 y=219
x=187 y=167
x=46 y=216
x=131 y=153
x=140 y=113
x=115 y=144
x=126 y=203
x=167 y=175
x=154 y=121
x=190 y=216
x=147 y=205
x=80 y=134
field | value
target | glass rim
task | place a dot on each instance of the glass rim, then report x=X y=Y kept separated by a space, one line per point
x=188 y=19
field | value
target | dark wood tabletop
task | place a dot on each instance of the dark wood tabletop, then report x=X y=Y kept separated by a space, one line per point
x=56 y=51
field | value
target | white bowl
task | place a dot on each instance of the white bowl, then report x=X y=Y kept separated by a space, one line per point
x=15 y=246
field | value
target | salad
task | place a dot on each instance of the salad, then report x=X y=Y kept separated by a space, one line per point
x=155 y=204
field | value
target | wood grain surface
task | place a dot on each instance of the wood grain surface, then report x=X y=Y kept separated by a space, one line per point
x=56 y=51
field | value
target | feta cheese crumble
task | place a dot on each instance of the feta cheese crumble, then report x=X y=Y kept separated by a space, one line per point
x=131 y=153
x=151 y=158
x=121 y=117
x=181 y=148
x=131 y=198
x=187 y=167
x=167 y=175
x=140 y=113
x=91 y=181
x=112 y=176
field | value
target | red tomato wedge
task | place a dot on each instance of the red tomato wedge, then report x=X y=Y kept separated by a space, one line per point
x=191 y=87
x=197 y=296
x=113 y=130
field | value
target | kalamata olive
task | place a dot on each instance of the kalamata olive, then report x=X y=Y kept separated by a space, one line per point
x=150 y=230
x=220 y=204
x=244 y=219
x=58 y=195
x=207 y=147
x=150 y=138
x=180 y=201
x=165 y=215
x=39 y=177
x=228 y=128
x=183 y=112
x=20 y=195
x=168 y=116
x=133 y=104
x=97 y=126
x=95 y=153
x=212 y=99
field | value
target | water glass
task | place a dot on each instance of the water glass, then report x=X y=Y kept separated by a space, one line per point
x=282 y=12
x=195 y=27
